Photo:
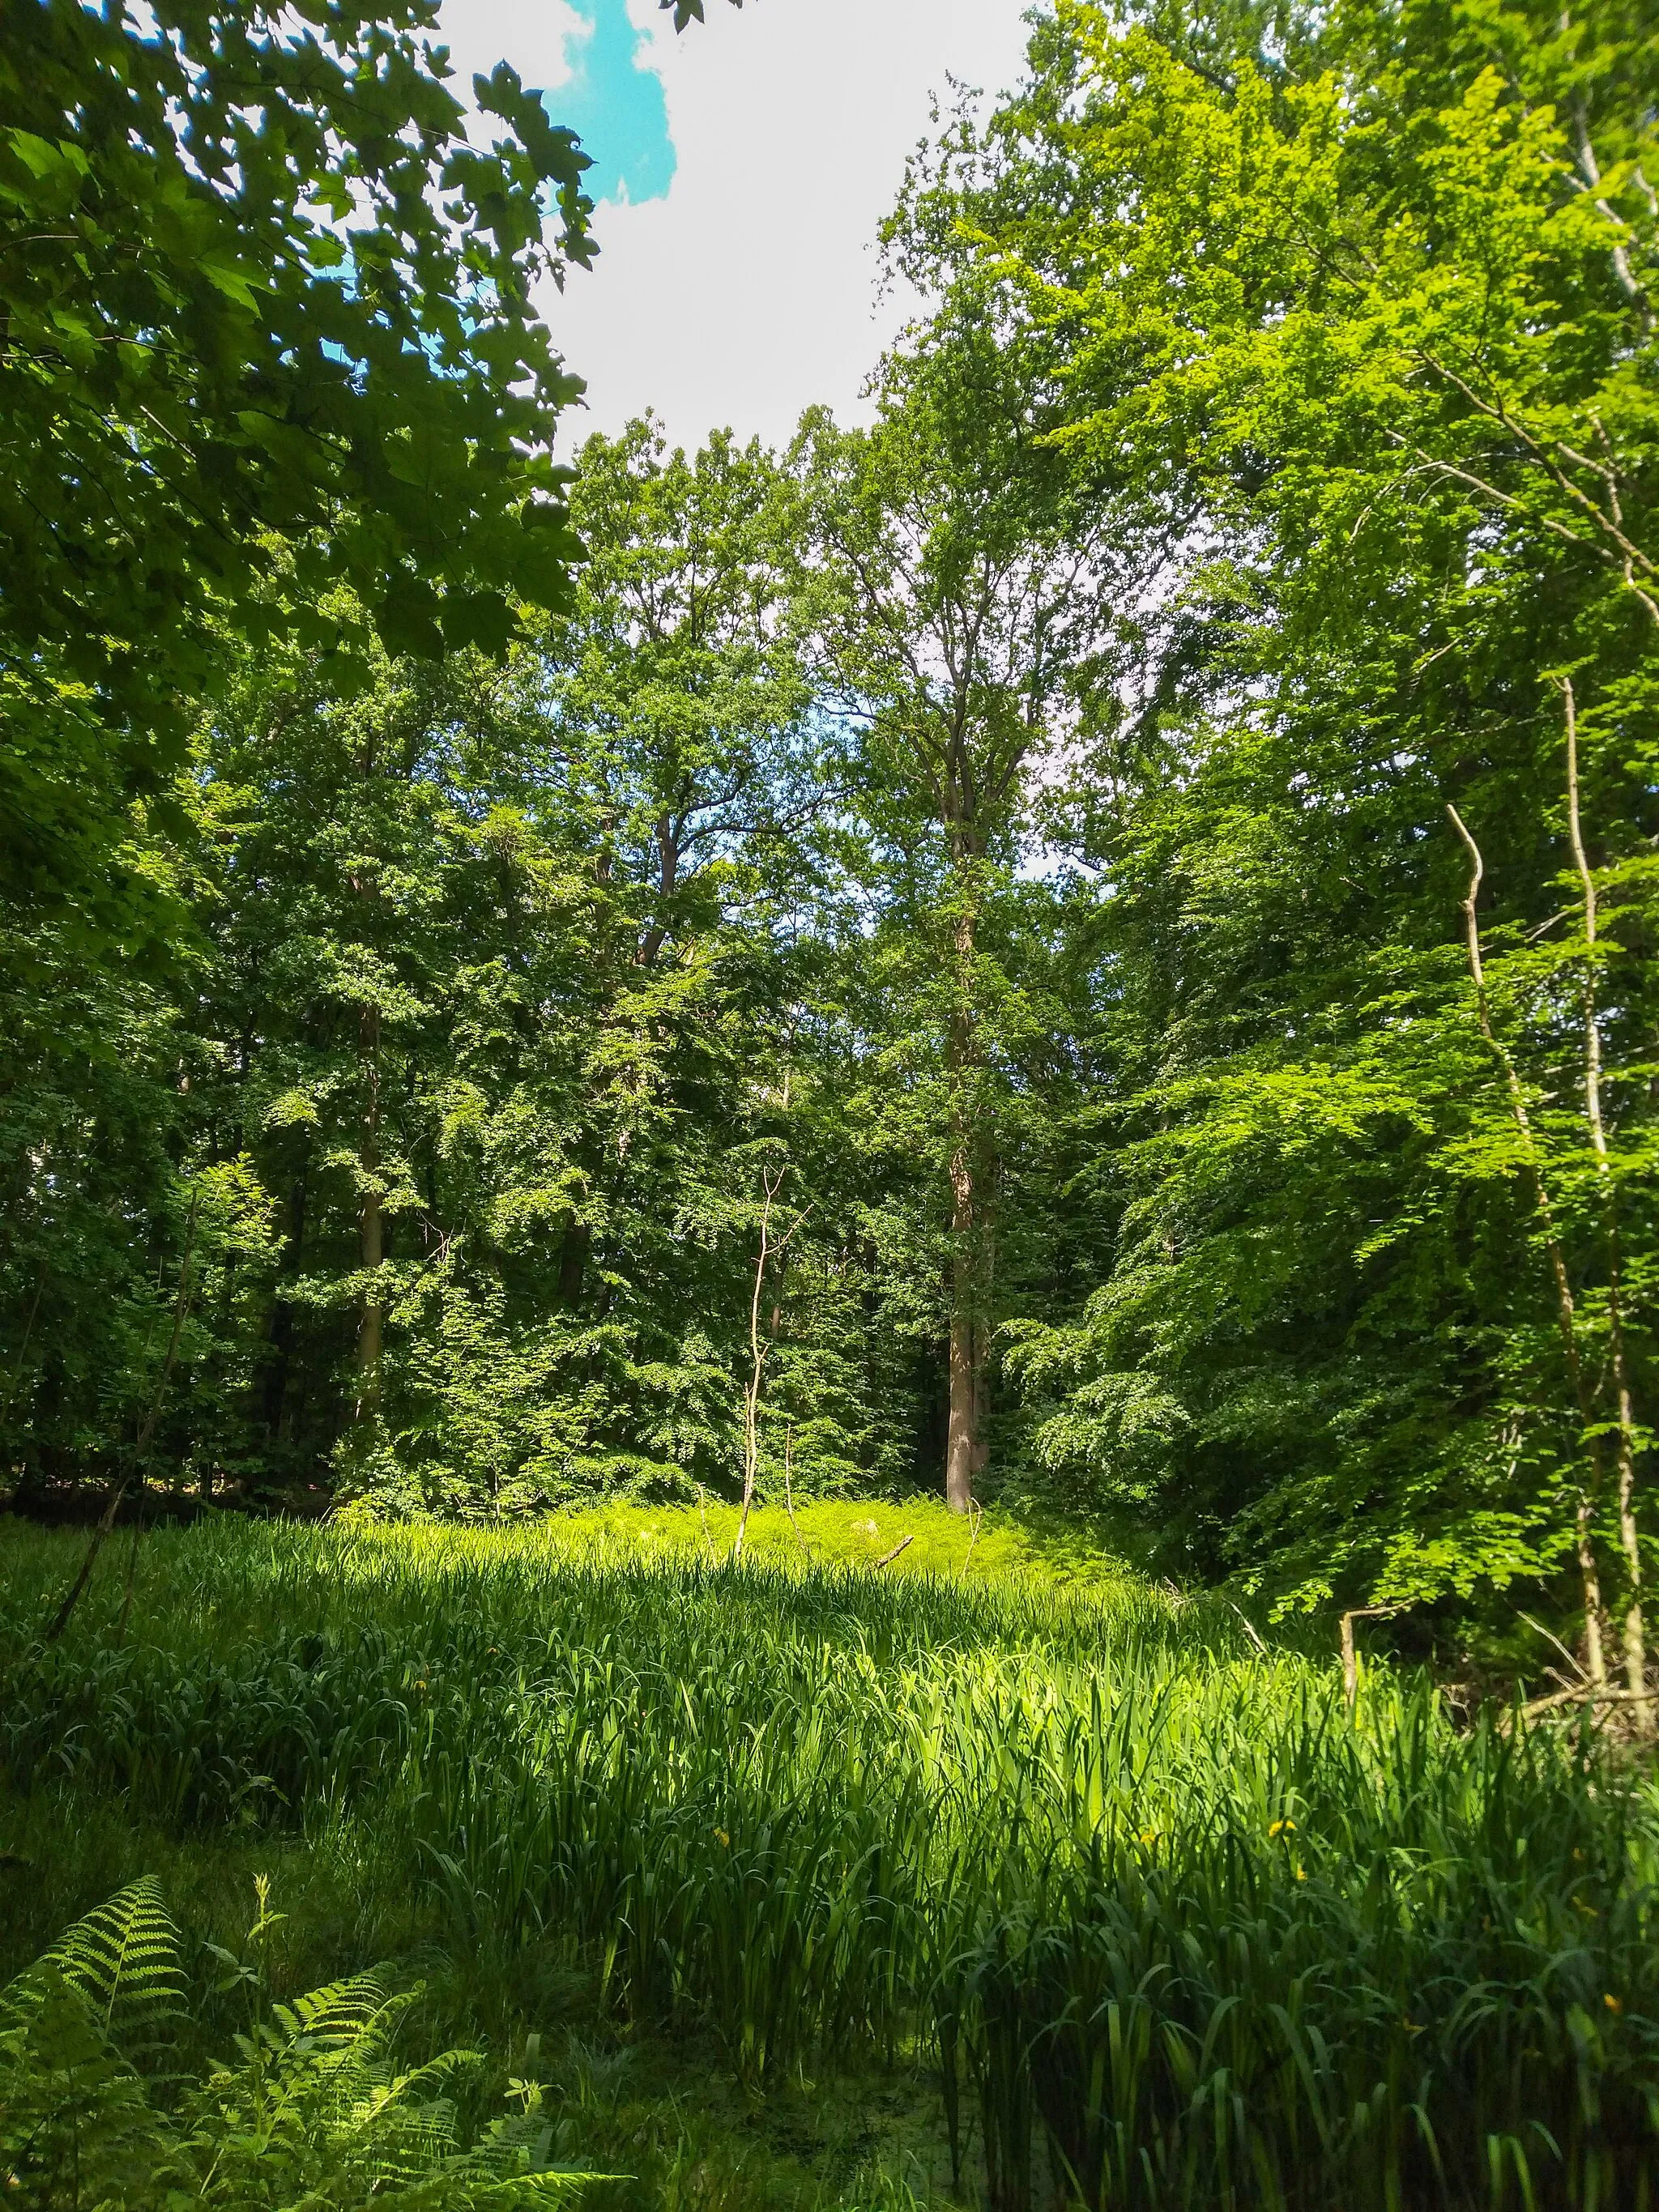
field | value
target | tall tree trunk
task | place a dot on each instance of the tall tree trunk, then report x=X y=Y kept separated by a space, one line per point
x=371 y=1328
x=572 y=1263
x=964 y=1453
x=963 y=1434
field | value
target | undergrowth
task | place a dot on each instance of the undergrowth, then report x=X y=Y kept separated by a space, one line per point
x=310 y=2112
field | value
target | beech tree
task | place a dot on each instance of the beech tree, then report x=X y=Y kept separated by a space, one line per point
x=969 y=587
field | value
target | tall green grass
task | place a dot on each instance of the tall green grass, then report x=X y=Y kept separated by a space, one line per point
x=1170 y=1927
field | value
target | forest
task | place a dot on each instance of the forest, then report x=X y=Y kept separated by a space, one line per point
x=829 y=1273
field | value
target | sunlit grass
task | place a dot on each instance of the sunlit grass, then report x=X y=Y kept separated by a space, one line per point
x=1169 y=1927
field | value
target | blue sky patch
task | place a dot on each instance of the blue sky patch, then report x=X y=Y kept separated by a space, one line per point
x=615 y=107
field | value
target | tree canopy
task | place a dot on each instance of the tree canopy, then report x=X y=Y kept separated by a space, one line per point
x=258 y=286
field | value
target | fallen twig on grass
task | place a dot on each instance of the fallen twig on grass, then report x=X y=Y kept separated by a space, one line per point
x=903 y=1544
x=1558 y=1701
x=1550 y=1637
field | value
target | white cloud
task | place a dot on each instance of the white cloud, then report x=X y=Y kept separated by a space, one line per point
x=532 y=34
x=748 y=292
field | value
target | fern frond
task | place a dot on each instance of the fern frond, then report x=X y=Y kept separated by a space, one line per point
x=311 y=2113
x=514 y=2163
x=123 y=1961
x=335 y=2016
x=460 y=2187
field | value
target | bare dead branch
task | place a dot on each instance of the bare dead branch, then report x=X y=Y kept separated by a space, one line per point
x=1565 y=1310
x=976 y=1521
x=1635 y=1640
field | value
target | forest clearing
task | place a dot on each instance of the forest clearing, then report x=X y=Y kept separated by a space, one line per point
x=798 y=1881
x=829 y=1105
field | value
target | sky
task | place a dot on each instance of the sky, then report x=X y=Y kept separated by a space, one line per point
x=741 y=169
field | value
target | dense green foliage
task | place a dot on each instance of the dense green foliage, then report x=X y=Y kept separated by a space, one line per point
x=1160 y=1923
x=257 y=283
x=1383 y=1292
x=1091 y=937
x=511 y=993
x=1012 y=861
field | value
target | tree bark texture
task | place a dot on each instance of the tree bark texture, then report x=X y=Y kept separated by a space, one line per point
x=961 y=1450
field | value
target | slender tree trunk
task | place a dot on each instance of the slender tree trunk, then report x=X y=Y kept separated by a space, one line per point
x=770 y=1251
x=757 y=1363
x=372 y=1326
x=1589 y=1578
x=146 y=1429
x=1635 y=1639
x=1565 y=1312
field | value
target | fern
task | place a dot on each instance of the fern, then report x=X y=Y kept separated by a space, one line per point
x=311 y=2114
x=313 y=2099
x=515 y=2162
x=316 y=2112
x=334 y=2017
x=75 y=2124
